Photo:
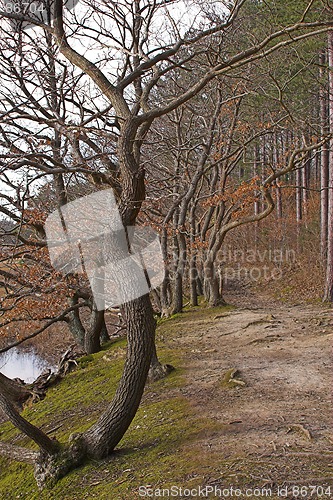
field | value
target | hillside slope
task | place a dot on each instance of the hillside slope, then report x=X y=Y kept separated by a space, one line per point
x=248 y=406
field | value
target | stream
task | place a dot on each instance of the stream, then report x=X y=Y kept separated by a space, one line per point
x=26 y=365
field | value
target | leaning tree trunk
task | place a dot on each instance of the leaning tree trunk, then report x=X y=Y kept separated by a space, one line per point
x=106 y=433
x=100 y=440
x=47 y=445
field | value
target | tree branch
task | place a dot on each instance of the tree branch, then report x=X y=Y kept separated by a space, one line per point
x=240 y=59
x=60 y=317
x=25 y=19
x=109 y=90
x=18 y=453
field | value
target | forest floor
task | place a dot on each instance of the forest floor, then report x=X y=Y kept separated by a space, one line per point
x=275 y=411
x=249 y=406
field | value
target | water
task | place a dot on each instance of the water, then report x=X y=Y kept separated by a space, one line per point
x=26 y=365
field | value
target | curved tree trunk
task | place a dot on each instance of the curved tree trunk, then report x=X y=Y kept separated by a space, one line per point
x=98 y=441
x=106 y=433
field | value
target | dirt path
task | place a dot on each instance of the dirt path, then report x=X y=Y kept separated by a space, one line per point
x=274 y=422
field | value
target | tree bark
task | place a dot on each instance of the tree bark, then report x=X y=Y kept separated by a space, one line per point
x=278 y=192
x=305 y=188
x=177 y=301
x=324 y=161
x=18 y=453
x=193 y=260
x=212 y=285
x=328 y=294
x=106 y=433
x=165 y=287
x=46 y=444
x=299 y=213
x=15 y=392
x=199 y=282
x=157 y=370
x=193 y=282
x=74 y=323
x=104 y=335
x=256 y=161
x=100 y=440
x=92 y=341
x=179 y=259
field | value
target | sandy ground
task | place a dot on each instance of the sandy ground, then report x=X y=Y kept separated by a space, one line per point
x=275 y=426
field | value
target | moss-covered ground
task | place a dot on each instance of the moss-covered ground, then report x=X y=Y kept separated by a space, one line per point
x=191 y=430
x=153 y=451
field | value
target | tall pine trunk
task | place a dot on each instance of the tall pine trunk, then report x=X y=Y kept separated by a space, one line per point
x=328 y=295
x=324 y=160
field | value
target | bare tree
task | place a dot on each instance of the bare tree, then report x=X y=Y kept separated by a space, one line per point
x=115 y=48
x=34 y=148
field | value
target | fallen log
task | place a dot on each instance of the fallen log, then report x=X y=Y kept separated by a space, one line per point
x=49 y=378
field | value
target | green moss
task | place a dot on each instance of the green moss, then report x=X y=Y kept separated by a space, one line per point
x=231 y=379
x=83 y=362
x=162 y=446
x=149 y=451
